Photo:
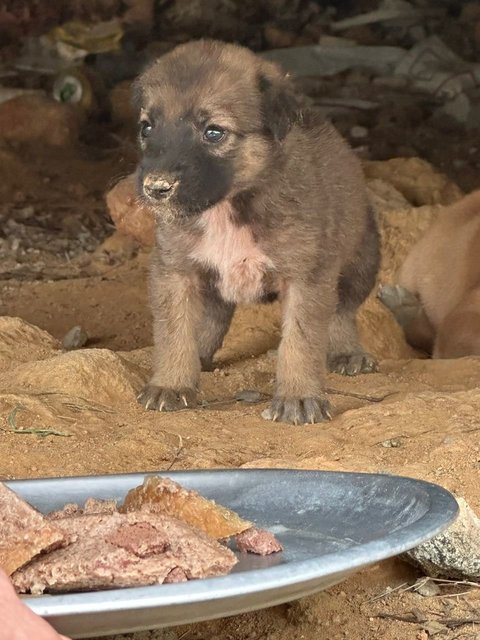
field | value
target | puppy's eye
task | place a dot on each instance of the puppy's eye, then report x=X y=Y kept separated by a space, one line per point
x=146 y=128
x=214 y=133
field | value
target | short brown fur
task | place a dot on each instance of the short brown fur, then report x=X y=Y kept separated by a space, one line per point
x=443 y=272
x=293 y=210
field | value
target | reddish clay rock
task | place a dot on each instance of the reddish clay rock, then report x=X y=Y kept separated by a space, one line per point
x=21 y=341
x=121 y=107
x=29 y=118
x=130 y=216
x=415 y=179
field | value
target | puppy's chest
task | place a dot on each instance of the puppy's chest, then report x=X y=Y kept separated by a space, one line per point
x=231 y=250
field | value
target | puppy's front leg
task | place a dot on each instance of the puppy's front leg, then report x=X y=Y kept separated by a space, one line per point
x=307 y=310
x=177 y=310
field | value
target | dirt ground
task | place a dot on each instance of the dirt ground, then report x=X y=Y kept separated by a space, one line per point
x=60 y=266
x=415 y=417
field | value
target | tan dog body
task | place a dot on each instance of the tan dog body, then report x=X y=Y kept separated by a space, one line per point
x=443 y=271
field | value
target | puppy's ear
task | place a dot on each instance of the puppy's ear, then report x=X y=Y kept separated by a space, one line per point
x=279 y=105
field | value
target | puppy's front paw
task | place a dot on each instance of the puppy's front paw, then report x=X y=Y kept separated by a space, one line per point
x=298 y=410
x=163 y=399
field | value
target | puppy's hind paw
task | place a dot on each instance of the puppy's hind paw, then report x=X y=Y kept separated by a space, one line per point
x=352 y=364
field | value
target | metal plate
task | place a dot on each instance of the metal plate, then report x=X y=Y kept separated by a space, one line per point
x=331 y=524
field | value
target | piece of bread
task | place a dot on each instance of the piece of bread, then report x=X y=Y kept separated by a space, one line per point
x=24 y=531
x=162 y=495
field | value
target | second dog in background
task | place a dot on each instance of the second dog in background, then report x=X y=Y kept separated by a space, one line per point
x=437 y=296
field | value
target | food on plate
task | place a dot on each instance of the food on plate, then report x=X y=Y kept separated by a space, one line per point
x=24 y=531
x=162 y=533
x=163 y=495
x=257 y=541
x=124 y=550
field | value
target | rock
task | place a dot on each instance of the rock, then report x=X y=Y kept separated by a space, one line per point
x=76 y=338
x=130 y=217
x=458 y=108
x=392 y=443
x=21 y=341
x=384 y=196
x=380 y=333
x=249 y=396
x=121 y=107
x=115 y=249
x=98 y=375
x=455 y=553
x=359 y=133
x=426 y=587
x=400 y=230
x=31 y=118
x=416 y=179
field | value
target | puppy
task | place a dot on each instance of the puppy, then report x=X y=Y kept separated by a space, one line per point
x=254 y=200
x=437 y=299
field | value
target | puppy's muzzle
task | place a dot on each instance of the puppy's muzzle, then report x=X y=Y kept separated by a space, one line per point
x=159 y=187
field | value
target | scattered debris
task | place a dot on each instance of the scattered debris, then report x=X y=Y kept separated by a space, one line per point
x=432 y=627
x=42 y=432
x=396 y=11
x=432 y=67
x=325 y=61
x=75 y=40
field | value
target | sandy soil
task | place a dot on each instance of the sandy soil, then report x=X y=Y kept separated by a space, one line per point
x=415 y=417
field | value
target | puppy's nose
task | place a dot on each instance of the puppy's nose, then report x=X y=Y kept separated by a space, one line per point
x=159 y=187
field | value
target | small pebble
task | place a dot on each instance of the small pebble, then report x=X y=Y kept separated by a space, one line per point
x=76 y=338
x=426 y=587
x=358 y=133
x=248 y=395
x=393 y=443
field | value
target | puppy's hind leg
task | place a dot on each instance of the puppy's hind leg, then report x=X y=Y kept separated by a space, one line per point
x=217 y=315
x=345 y=353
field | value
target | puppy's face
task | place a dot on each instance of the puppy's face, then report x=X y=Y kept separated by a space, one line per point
x=211 y=118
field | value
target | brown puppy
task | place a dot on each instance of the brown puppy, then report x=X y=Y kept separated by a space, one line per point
x=437 y=301
x=253 y=200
